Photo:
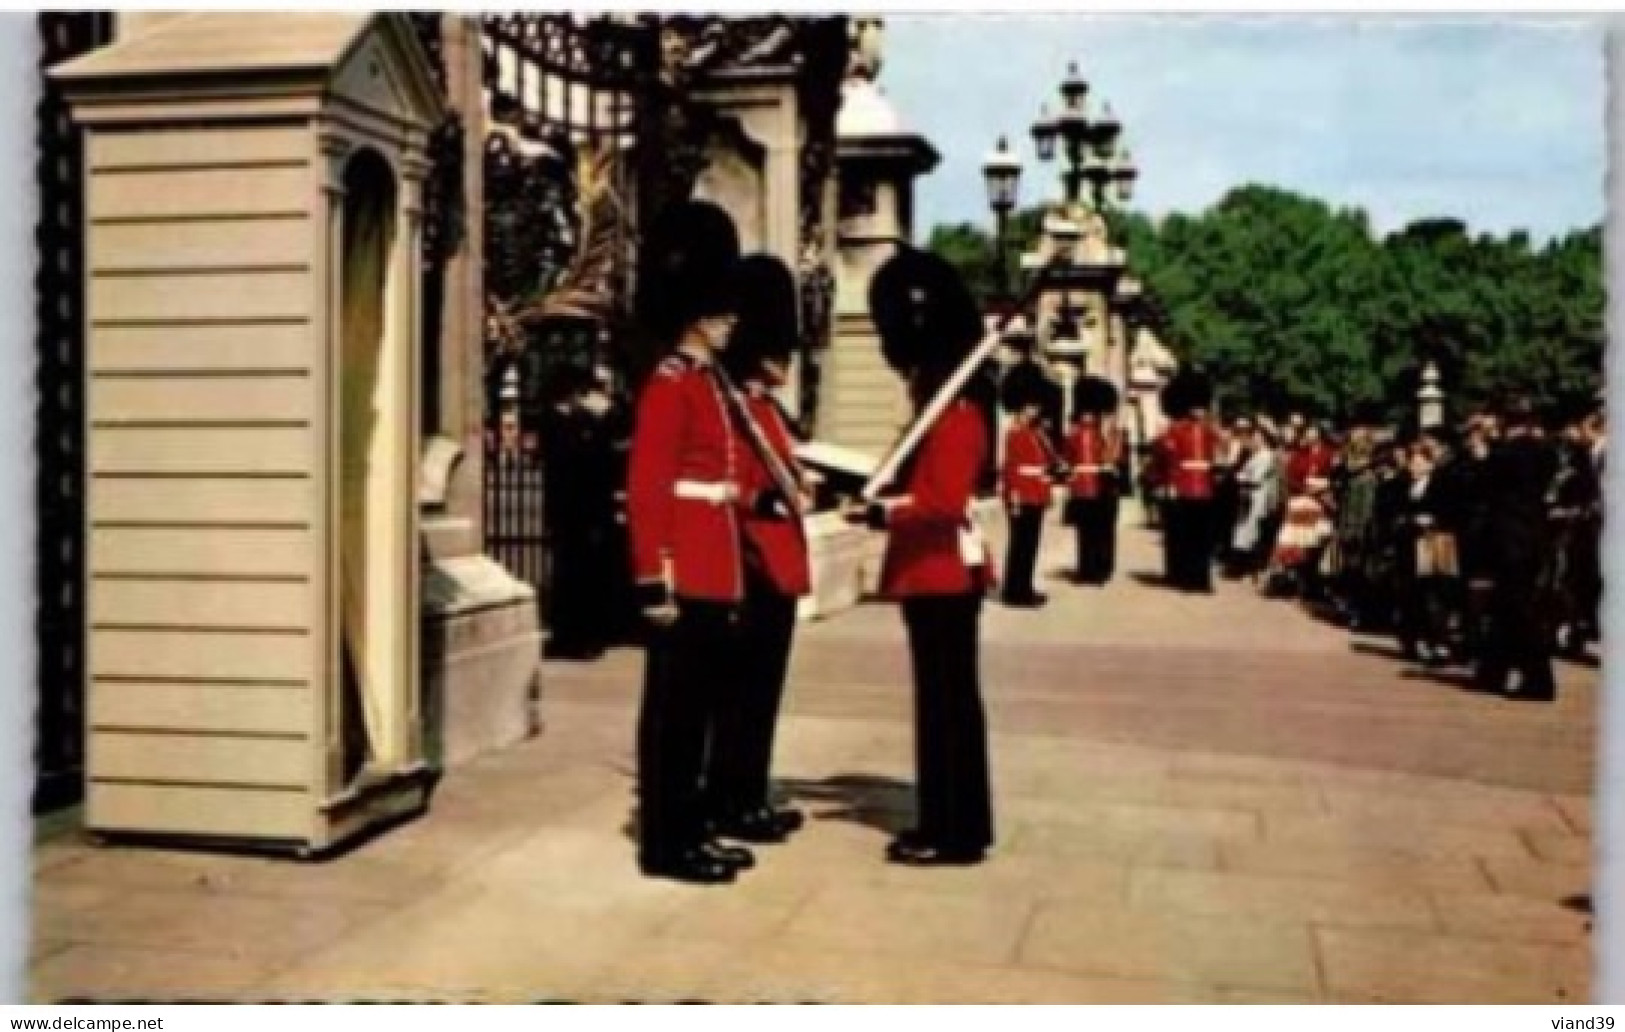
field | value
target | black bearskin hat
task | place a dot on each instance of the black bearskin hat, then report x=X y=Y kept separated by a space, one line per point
x=768 y=326
x=1095 y=396
x=1186 y=391
x=1025 y=384
x=924 y=313
x=688 y=267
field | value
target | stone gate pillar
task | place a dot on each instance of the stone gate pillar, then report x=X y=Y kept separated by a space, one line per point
x=482 y=652
x=878 y=159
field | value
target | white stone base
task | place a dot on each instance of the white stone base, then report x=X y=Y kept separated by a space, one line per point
x=481 y=659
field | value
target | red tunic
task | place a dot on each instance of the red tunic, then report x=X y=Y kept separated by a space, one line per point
x=682 y=485
x=1026 y=467
x=1093 y=455
x=781 y=544
x=1306 y=464
x=1185 y=454
x=925 y=553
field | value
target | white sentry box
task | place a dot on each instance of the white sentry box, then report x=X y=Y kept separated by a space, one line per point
x=252 y=193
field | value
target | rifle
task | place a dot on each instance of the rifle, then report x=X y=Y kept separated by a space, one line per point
x=783 y=479
x=922 y=423
x=1059 y=468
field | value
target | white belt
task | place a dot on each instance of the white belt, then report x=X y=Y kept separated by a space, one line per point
x=1032 y=471
x=1196 y=465
x=1090 y=469
x=718 y=493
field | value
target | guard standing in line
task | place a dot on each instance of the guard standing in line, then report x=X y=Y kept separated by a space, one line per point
x=777 y=574
x=1094 y=455
x=1184 y=459
x=1519 y=639
x=1029 y=462
x=683 y=501
x=935 y=564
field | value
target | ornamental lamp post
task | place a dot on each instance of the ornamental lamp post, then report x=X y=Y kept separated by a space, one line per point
x=1002 y=173
x=1088 y=144
x=1430 y=399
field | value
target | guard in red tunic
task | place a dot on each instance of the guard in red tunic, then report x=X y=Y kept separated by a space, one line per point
x=1026 y=480
x=1094 y=456
x=777 y=574
x=1184 y=457
x=936 y=564
x=684 y=502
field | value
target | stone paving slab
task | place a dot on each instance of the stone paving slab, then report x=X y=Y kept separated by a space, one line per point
x=1363 y=965
x=1197 y=799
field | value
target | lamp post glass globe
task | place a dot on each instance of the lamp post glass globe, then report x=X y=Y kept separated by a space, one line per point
x=1123 y=167
x=1074 y=88
x=1044 y=132
x=1002 y=173
x=1106 y=129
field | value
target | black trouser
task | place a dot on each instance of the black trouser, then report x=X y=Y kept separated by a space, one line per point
x=1188 y=543
x=1519 y=636
x=1026 y=526
x=1477 y=593
x=582 y=579
x=1095 y=522
x=950 y=731
x=1423 y=612
x=747 y=711
x=687 y=665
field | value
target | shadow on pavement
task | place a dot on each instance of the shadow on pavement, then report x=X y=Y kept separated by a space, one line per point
x=868 y=799
x=1451 y=678
x=1372 y=648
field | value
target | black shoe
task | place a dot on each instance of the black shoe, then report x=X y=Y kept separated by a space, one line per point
x=763 y=825
x=1025 y=601
x=736 y=857
x=1539 y=692
x=688 y=866
x=1490 y=684
x=789 y=821
x=908 y=850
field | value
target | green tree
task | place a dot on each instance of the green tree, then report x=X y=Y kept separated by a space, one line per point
x=1289 y=303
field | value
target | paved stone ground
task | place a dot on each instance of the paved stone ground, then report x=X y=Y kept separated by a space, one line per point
x=1200 y=799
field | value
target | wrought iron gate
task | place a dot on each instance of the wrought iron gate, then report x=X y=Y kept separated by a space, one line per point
x=568 y=99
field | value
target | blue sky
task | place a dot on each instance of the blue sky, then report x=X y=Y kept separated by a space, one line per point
x=1497 y=122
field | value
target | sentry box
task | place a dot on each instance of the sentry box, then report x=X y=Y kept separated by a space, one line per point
x=253 y=186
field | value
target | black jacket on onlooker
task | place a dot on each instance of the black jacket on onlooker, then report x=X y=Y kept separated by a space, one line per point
x=1518 y=475
x=1470 y=511
x=1434 y=509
